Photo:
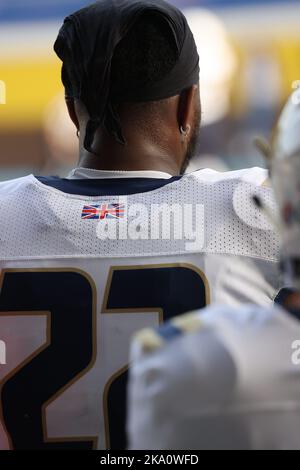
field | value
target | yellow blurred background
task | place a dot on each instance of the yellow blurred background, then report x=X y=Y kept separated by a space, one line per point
x=249 y=57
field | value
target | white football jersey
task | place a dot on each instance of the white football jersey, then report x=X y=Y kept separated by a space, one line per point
x=87 y=263
x=221 y=379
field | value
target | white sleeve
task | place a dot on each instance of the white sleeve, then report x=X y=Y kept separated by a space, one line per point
x=248 y=281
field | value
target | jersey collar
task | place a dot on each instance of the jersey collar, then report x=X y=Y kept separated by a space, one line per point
x=89 y=173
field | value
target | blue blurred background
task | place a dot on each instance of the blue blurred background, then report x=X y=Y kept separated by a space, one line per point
x=249 y=56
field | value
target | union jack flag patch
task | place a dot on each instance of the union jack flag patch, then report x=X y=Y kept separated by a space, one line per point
x=103 y=211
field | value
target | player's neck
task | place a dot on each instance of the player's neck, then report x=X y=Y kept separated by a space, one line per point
x=140 y=153
x=128 y=160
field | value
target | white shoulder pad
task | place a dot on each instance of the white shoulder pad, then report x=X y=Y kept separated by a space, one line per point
x=150 y=340
x=256 y=176
x=248 y=315
x=7 y=187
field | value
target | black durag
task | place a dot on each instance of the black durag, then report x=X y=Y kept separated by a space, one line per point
x=86 y=45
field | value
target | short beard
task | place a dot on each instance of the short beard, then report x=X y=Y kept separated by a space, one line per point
x=191 y=150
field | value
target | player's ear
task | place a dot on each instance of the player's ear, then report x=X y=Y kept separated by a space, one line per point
x=72 y=112
x=186 y=108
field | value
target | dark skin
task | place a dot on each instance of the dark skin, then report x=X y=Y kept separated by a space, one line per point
x=293 y=301
x=153 y=136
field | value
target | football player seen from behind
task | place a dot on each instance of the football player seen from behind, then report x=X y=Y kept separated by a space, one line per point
x=125 y=241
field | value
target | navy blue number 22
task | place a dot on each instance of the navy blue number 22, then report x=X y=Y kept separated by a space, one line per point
x=70 y=299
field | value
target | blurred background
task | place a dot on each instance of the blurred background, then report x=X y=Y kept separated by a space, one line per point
x=249 y=58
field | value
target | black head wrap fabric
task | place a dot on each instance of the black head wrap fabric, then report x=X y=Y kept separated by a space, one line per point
x=86 y=44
